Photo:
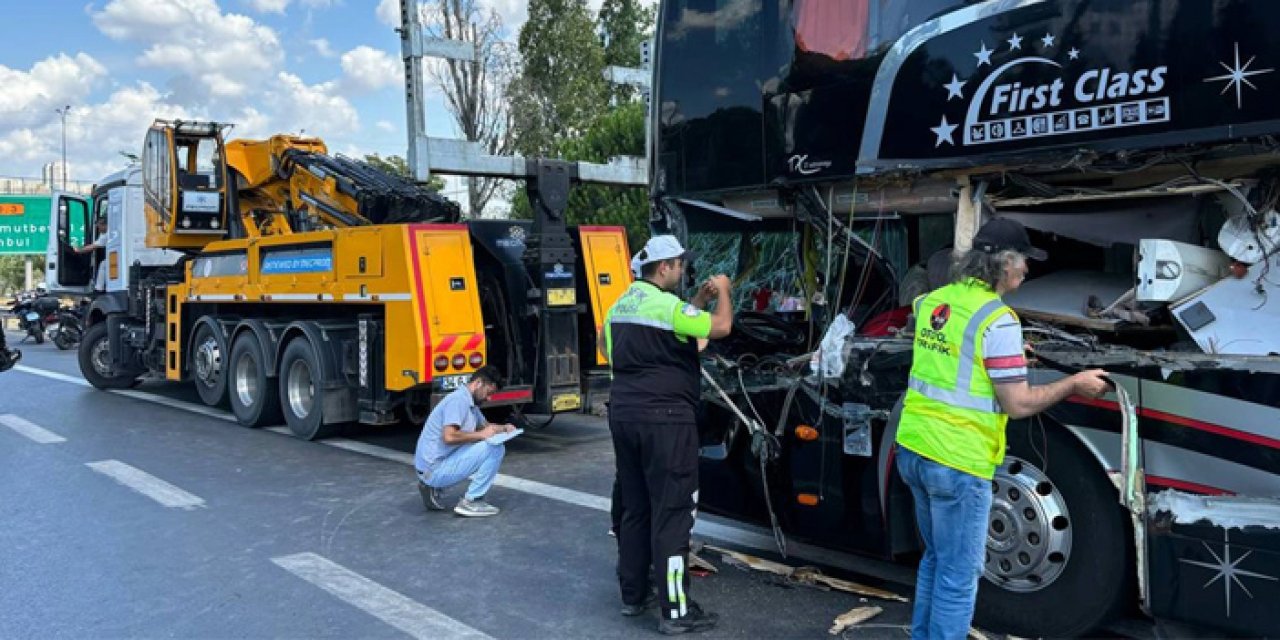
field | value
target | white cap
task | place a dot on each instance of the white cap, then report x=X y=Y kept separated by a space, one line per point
x=657 y=249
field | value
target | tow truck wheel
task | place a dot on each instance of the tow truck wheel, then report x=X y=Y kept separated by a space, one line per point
x=302 y=391
x=209 y=364
x=254 y=399
x=95 y=360
x=1058 y=555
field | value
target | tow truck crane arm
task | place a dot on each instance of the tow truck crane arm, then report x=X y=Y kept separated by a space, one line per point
x=200 y=189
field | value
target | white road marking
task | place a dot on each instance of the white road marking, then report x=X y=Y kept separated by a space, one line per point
x=740 y=534
x=391 y=607
x=33 y=431
x=130 y=393
x=147 y=484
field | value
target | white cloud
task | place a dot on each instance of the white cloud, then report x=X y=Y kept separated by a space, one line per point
x=384 y=125
x=215 y=54
x=323 y=48
x=30 y=96
x=388 y=13
x=268 y=6
x=279 y=6
x=368 y=69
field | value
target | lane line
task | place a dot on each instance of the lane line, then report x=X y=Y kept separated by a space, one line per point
x=741 y=534
x=34 y=432
x=391 y=607
x=131 y=393
x=147 y=484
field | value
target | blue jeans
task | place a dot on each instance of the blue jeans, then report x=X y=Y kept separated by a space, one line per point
x=478 y=461
x=952 y=510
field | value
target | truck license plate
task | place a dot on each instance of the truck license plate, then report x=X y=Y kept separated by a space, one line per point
x=451 y=383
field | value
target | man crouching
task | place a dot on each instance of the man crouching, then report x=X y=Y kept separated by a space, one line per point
x=453 y=447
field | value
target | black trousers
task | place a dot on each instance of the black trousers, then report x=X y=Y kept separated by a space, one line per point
x=657 y=484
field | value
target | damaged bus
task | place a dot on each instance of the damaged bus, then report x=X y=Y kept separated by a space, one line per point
x=831 y=155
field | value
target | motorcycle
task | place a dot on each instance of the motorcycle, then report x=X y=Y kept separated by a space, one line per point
x=34 y=313
x=67 y=327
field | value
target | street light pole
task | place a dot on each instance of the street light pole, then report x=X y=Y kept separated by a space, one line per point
x=63 y=112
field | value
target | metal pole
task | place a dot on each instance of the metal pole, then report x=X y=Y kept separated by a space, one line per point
x=63 y=112
x=29 y=284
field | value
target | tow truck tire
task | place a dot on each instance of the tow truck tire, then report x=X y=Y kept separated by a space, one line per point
x=208 y=358
x=302 y=391
x=1095 y=578
x=95 y=349
x=253 y=396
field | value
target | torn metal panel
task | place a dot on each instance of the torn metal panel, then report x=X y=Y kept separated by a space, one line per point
x=1228 y=512
x=1063 y=297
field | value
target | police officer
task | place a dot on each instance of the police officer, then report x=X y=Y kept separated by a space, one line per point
x=968 y=377
x=651 y=339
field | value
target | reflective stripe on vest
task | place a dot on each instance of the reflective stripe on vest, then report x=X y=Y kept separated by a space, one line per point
x=953 y=397
x=951 y=413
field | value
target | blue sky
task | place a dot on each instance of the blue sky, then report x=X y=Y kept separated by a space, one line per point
x=329 y=67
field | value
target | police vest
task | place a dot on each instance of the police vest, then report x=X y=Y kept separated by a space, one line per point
x=654 y=365
x=951 y=414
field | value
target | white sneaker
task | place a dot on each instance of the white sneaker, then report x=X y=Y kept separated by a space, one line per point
x=475 y=508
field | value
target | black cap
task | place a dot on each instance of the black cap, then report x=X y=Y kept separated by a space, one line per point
x=1001 y=234
x=489 y=373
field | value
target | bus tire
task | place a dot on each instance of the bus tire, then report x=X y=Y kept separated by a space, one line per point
x=1059 y=553
x=253 y=396
x=302 y=391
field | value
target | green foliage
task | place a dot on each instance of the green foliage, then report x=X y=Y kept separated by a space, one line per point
x=13 y=273
x=622 y=26
x=617 y=132
x=398 y=166
x=560 y=88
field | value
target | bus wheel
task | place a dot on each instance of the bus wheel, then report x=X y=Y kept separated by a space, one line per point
x=302 y=391
x=254 y=399
x=208 y=364
x=1058 y=552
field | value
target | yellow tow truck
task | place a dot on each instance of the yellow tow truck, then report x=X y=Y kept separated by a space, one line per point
x=289 y=283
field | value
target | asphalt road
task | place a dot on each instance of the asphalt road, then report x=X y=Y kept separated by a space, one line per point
x=146 y=514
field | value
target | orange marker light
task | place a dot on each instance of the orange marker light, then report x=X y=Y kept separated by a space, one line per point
x=806 y=432
x=807 y=499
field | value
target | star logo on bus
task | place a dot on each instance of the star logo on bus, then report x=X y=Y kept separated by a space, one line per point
x=1227 y=570
x=945 y=132
x=984 y=55
x=1237 y=76
x=953 y=88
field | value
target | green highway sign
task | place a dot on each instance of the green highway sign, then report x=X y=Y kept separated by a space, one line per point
x=24 y=224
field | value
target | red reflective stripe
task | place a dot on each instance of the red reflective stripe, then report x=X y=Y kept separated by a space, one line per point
x=422 y=302
x=447 y=343
x=473 y=342
x=1193 y=487
x=1005 y=362
x=505 y=396
x=1183 y=421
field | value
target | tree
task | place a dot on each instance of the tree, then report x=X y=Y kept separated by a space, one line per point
x=618 y=132
x=13 y=272
x=398 y=166
x=560 y=88
x=473 y=90
x=622 y=26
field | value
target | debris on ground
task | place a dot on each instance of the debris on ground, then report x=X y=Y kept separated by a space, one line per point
x=806 y=576
x=698 y=563
x=852 y=617
x=977 y=634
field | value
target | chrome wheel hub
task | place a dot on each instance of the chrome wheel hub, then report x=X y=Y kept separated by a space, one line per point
x=1029 y=531
x=208 y=360
x=246 y=380
x=100 y=357
x=301 y=389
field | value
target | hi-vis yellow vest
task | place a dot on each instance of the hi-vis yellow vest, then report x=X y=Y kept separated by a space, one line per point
x=951 y=414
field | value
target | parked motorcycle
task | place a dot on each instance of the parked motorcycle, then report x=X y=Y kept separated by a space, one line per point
x=67 y=328
x=35 y=313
